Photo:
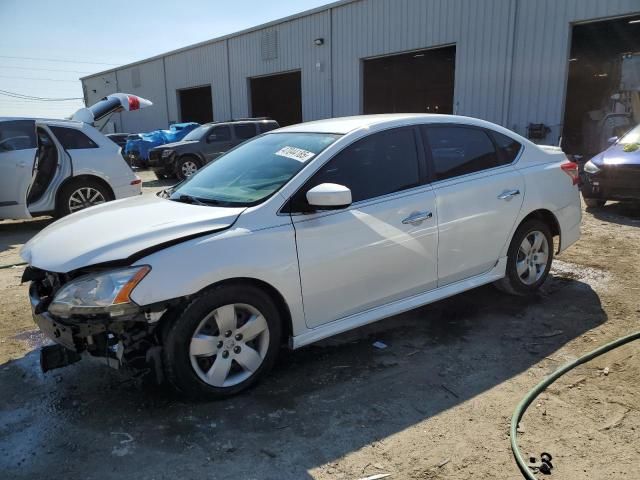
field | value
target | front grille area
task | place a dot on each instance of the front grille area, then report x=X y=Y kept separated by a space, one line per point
x=621 y=176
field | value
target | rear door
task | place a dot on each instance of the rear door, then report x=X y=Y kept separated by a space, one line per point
x=17 y=157
x=478 y=197
x=217 y=141
x=243 y=132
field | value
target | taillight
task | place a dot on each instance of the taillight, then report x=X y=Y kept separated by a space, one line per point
x=137 y=181
x=571 y=169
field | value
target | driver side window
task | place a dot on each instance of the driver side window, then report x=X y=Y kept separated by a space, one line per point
x=374 y=166
x=219 y=134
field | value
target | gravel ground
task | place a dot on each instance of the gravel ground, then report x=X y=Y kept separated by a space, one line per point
x=436 y=403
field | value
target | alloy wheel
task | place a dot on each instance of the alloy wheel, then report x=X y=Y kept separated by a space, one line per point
x=533 y=254
x=229 y=345
x=85 y=197
x=188 y=168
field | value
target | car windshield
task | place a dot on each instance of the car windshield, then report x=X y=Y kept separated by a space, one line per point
x=253 y=171
x=631 y=137
x=197 y=133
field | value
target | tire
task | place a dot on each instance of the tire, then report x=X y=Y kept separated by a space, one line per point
x=80 y=194
x=594 y=202
x=517 y=280
x=204 y=362
x=186 y=164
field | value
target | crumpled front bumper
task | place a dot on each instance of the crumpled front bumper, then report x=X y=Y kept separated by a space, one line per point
x=54 y=329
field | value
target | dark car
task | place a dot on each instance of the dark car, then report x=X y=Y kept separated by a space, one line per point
x=615 y=173
x=204 y=144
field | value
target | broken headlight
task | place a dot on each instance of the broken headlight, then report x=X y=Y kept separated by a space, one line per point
x=99 y=293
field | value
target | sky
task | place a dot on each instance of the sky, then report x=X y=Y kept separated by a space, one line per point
x=46 y=46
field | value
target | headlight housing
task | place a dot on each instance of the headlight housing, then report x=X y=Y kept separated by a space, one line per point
x=99 y=293
x=167 y=153
x=591 y=167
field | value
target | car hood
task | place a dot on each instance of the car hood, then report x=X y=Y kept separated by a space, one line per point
x=616 y=155
x=181 y=143
x=119 y=230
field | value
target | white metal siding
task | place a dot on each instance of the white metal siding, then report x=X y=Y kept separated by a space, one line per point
x=511 y=58
x=151 y=87
x=206 y=65
x=296 y=51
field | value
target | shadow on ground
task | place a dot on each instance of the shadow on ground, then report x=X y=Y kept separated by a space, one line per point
x=319 y=404
x=622 y=213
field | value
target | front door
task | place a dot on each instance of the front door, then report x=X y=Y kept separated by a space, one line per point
x=17 y=157
x=478 y=196
x=383 y=247
x=217 y=141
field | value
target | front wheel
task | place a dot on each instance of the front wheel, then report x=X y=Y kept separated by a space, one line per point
x=186 y=167
x=529 y=259
x=223 y=342
x=594 y=202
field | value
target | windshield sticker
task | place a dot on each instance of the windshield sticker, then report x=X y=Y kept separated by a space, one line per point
x=295 y=153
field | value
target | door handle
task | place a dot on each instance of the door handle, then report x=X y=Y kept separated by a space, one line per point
x=508 y=194
x=416 y=218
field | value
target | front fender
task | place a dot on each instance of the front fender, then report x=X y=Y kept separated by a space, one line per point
x=267 y=255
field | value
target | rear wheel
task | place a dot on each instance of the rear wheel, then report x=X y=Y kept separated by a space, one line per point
x=225 y=340
x=529 y=259
x=81 y=194
x=187 y=166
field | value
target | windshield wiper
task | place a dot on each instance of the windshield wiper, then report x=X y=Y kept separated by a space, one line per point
x=194 y=201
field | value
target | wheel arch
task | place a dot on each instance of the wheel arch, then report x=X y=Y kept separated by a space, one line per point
x=79 y=179
x=547 y=217
x=274 y=294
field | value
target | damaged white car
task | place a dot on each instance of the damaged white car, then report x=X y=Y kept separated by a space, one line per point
x=296 y=235
x=62 y=166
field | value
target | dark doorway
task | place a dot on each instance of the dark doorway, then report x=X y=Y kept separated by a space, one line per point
x=278 y=97
x=595 y=67
x=196 y=105
x=416 y=82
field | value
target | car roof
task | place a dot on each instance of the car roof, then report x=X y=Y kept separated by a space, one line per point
x=38 y=119
x=344 y=125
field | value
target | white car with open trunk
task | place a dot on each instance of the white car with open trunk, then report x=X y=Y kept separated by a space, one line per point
x=296 y=235
x=50 y=166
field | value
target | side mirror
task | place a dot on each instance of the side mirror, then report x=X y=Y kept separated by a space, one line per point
x=612 y=140
x=329 y=196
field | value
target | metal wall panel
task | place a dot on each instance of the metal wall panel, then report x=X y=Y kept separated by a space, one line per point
x=541 y=54
x=479 y=29
x=152 y=87
x=295 y=51
x=511 y=58
x=200 y=66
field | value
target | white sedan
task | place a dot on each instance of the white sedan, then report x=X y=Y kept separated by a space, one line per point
x=299 y=234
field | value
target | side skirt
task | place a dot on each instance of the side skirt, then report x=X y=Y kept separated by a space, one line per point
x=397 y=307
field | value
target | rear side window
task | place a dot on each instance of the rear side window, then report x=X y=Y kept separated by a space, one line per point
x=457 y=151
x=377 y=165
x=17 y=135
x=219 y=134
x=72 y=139
x=507 y=147
x=265 y=127
x=245 y=131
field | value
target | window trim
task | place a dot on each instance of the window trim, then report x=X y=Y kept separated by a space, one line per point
x=435 y=182
x=423 y=179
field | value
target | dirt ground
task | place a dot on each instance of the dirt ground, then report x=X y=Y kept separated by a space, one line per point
x=435 y=404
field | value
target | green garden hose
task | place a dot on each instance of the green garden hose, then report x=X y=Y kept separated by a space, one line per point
x=530 y=397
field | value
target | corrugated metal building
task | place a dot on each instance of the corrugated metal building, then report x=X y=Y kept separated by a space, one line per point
x=510 y=61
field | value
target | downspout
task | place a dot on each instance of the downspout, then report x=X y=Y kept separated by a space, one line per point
x=506 y=109
x=229 y=80
x=166 y=92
